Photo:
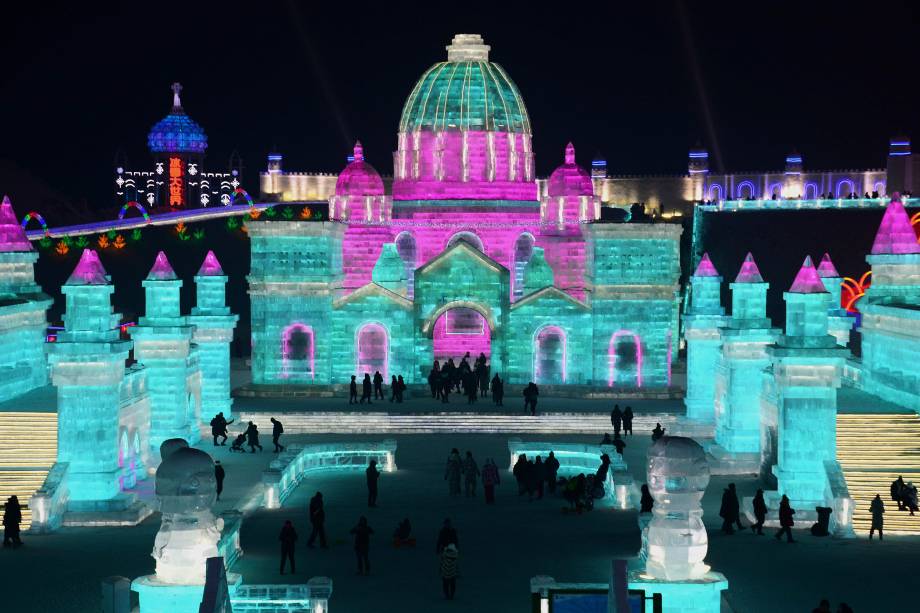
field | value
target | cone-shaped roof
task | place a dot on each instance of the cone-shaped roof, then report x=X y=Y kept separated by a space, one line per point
x=89 y=270
x=895 y=234
x=569 y=179
x=162 y=270
x=807 y=280
x=749 y=272
x=210 y=267
x=826 y=268
x=359 y=178
x=12 y=236
x=706 y=268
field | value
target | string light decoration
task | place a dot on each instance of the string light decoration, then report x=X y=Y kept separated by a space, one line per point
x=853 y=290
x=36 y=216
x=240 y=192
x=136 y=205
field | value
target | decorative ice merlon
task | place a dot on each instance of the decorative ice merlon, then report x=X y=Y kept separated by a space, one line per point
x=807 y=280
x=210 y=267
x=467 y=48
x=749 y=272
x=162 y=270
x=826 y=269
x=895 y=235
x=89 y=270
x=12 y=236
x=707 y=269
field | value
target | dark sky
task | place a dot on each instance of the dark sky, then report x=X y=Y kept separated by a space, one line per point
x=636 y=83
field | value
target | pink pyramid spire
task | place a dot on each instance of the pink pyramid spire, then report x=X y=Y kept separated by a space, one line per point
x=749 y=272
x=706 y=268
x=210 y=267
x=826 y=268
x=89 y=270
x=570 y=154
x=161 y=271
x=359 y=151
x=807 y=280
x=895 y=234
x=12 y=236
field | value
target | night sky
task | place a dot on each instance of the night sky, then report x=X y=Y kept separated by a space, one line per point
x=639 y=84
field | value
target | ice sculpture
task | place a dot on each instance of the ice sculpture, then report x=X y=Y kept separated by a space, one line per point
x=677 y=478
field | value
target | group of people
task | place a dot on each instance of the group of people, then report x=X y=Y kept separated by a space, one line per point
x=467 y=470
x=621 y=419
x=473 y=380
x=904 y=494
x=249 y=436
x=730 y=512
x=374 y=387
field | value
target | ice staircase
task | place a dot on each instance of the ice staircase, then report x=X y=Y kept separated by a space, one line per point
x=28 y=449
x=873 y=450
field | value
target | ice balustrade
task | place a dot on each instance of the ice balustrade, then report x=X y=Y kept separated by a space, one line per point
x=312 y=597
x=49 y=502
x=293 y=464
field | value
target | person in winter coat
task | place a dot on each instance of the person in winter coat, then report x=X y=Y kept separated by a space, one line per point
x=730 y=512
x=627 y=421
x=445 y=384
x=551 y=466
x=519 y=472
x=219 y=428
x=317 y=521
x=470 y=472
x=219 y=475
x=363 y=534
x=897 y=487
x=433 y=376
x=252 y=438
x=287 y=537
x=449 y=570
x=490 y=478
x=394 y=388
x=619 y=443
x=531 y=477
x=378 y=385
x=373 y=475
x=12 y=517
x=452 y=472
x=760 y=512
x=603 y=469
x=277 y=431
x=646 y=502
x=531 y=392
x=353 y=391
x=877 y=508
x=539 y=476
x=785 y=519
x=401 y=387
x=447 y=536
x=498 y=390
x=366 y=387
x=616 y=419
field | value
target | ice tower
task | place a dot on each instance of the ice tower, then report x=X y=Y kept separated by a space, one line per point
x=702 y=322
x=839 y=323
x=163 y=343
x=213 y=332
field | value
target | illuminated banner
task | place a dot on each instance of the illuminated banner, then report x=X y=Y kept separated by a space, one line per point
x=176 y=182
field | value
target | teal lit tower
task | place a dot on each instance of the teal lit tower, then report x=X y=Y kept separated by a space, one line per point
x=87 y=368
x=702 y=323
x=739 y=374
x=839 y=321
x=807 y=364
x=213 y=332
x=163 y=344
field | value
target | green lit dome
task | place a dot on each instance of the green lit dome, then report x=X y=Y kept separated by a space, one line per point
x=467 y=92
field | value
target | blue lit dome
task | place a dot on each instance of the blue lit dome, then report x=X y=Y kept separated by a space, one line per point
x=177 y=132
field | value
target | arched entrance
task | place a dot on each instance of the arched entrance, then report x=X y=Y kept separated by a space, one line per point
x=372 y=348
x=624 y=356
x=297 y=352
x=549 y=356
x=461 y=330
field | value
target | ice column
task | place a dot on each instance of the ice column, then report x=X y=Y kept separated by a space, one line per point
x=702 y=322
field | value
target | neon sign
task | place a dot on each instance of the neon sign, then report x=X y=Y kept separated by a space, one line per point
x=176 y=182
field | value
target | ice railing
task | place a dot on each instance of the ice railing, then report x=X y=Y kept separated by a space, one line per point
x=312 y=597
x=49 y=502
x=293 y=464
x=838 y=496
x=575 y=458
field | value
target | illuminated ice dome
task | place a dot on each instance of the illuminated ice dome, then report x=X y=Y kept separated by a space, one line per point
x=177 y=132
x=570 y=179
x=359 y=178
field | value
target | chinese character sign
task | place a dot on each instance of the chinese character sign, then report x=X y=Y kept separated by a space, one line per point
x=176 y=182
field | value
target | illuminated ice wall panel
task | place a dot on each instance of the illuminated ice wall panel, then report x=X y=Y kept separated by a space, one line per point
x=360 y=251
x=701 y=329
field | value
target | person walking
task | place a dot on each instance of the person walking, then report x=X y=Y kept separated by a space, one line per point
x=353 y=391
x=616 y=419
x=219 y=428
x=877 y=508
x=730 y=512
x=445 y=384
x=12 y=517
x=452 y=472
x=219 y=475
x=394 y=388
x=400 y=388
x=378 y=386
x=433 y=376
x=449 y=570
x=277 y=431
x=287 y=537
x=363 y=534
x=373 y=475
x=490 y=478
x=447 y=536
x=785 y=519
x=530 y=398
x=317 y=521
x=470 y=472
x=498 y=390
x=366 y=386
x=252 y=438
x=627 y=421
x=520 y=473
x=760 y=512
x=897 y=490
x=551 y=466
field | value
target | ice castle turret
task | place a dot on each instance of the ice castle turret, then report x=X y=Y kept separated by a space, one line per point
x=163 y=343
x=744 y=357
x=213 y=332
x=702 y=322
x=807 y=364
x=839 y=323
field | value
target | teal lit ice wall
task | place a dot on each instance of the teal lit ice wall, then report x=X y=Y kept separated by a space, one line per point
x=702 y=322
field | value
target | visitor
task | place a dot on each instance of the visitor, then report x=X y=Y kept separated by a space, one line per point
x=657 y=433
x=490 y=478
x=445 y=384
x=760 y=512
x=403 y=532
x=866 y=195
x=373 y=476
x=519 y=470
x=219 y=477
x=453 y=377
x=909 y=496
x=287 y=537
x=219 y=428
x=498 y=390
x=539 y=476
x=433 y=376
x=277 y=431
x=875 y=194
x=483 y=375
x=530 y=479
x=603 y=469
x=877 y=508
x=238 y=443
x=452 y=472
x=401 y=387
x=823 y=607
x=470 y=472
x=353 y=391
x=627 y=421
x=730 y=512
x=449 y=570
x=378 y=386
x=363 y=534
x=12 y=517
x=252 y=438
x=646 y=502
x=366 y=389
x=551 y=466
x=785 y=520
x=606 y=440
x=471 y=387
x=897 y=489
x=394 y=388
x=530 y=397
x=616 y=419
x=447 y=536
x=317 y=521
x=619 y=443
